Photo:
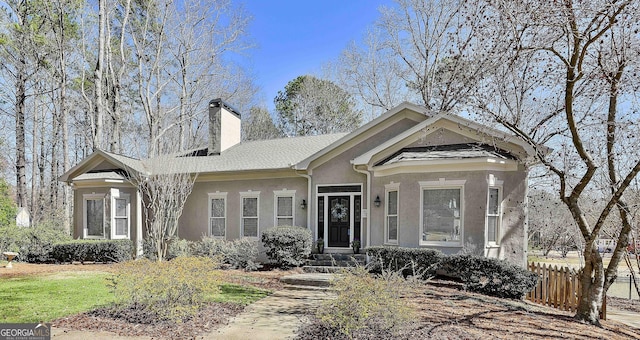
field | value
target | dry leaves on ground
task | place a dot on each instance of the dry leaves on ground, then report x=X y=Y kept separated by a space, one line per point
x=445 y=312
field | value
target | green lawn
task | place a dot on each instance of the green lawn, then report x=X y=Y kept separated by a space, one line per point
x=239 y=294
x=45 y=298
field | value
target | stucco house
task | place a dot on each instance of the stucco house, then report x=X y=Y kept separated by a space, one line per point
x=408 y=178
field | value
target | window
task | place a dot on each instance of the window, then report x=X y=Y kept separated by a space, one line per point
x=120 y=204
x=493 y=214
x=391 y=213
x=441 y=214
x=284 y=207
x=218 y=214
x=249 y=216
x=93 y=216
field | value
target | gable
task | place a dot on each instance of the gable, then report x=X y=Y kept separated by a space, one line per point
x=102 y=162
x=445 y=129
x=374 y=133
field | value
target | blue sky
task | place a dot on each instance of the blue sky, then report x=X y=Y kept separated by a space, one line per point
x=296 y=37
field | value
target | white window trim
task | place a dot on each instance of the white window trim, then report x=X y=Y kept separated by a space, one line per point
x=117 y=195
x=85 y=230
x=284 y=193
x=250 y=194
x=217 y=195
x=494 y=183
x=442 y=183
x=389 y=188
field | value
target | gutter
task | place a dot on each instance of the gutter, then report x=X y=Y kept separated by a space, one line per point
x=310 y=201
x=368 y=174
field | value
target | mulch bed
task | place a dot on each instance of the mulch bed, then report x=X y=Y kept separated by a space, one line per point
x=443 y=311
x=131 y=322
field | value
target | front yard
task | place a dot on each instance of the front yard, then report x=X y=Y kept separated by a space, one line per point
x=77 y=297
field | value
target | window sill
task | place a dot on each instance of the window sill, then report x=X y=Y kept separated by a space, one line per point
x=391 y=243
x=441 y=244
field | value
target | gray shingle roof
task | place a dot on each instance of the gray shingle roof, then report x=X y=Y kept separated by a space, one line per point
x=134 y=164
x=253 y=155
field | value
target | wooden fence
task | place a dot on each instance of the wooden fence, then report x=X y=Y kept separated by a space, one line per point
x=558 y=288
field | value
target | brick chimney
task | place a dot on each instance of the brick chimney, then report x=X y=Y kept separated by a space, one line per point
x=224 y=126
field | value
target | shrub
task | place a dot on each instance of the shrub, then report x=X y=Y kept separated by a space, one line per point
x=170 y=290
x=33 y=244
x=180 y=248
x=287 y=246
x=90 y=250
x=490 y=276
x=239 y=254
x=410 y=261
x=364 y=301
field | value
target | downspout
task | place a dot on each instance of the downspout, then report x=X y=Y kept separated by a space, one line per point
x=525 y=212
x=368 y=174
x=310 y=201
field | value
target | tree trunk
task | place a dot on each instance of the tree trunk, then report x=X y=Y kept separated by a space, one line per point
x=98 y=78
x=592 y=280
x=21 y=158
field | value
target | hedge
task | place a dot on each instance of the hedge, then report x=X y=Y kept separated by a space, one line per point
x=238 y=254
x=411 y=261
x=33 y=244
x=287 y=246
x=490 y=276
x=93 y=250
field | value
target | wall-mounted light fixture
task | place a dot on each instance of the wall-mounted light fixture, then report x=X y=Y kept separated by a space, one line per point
x=377 y=201
x=303 y=205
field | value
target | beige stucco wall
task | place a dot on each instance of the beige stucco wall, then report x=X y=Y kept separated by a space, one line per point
x=338 y=169
x=474 y=211
x=194 y=222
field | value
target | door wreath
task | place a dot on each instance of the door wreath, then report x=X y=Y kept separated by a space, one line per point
x=339 y=211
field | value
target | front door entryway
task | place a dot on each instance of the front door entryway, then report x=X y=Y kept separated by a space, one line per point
x=339 y=218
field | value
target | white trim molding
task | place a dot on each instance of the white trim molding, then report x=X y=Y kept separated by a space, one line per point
x=495 y=184
x=284 y=193
x=247 y=195
x=216 y=196
x=389 y=188
x=457 y=208
x=115 y=196
x=85 y=230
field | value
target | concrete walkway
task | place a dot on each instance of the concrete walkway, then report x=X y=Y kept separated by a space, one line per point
x=628 y=318
x=275 y=317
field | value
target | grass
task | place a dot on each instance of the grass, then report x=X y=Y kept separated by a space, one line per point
x=44 y=298
x=239 y=294
x=48 y=297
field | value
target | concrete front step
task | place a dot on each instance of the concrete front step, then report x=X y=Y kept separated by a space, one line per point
x=334 y=263
x=312 y=288
x=308 y=279
x=362 y=258
x=326 y=269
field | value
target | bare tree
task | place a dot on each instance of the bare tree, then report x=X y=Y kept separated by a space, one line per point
x=164 y=191
x=259 y=125
x=551 y=224
x=427 y=50
x=563 y=68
